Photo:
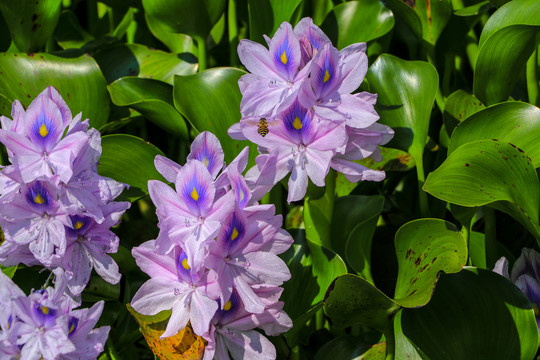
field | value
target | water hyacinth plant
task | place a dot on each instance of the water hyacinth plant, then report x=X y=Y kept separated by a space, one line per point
x=275 y=179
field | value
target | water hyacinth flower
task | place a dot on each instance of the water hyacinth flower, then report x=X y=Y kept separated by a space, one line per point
x=50 y=187
x=525 y=275
x=45 y=324
x=215 y=246
x=298 y=106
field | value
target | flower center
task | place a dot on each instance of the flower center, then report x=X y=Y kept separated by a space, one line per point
x=283 y=58
x=297 y=124
x=194 y=194
x=43 y=131
x=326 y=76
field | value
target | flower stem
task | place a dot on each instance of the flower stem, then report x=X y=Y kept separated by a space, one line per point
x=390 y=343
x=233 y=33
x=201 y=45
x=532 y=79
x=490 y=232
x=422 y=196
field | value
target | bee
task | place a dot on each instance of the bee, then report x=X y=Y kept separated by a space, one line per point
x=262 y=127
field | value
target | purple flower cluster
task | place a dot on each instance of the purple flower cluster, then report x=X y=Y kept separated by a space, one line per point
x=298 y=107
x=45 y=326
x=214 y=262
x=55 y=210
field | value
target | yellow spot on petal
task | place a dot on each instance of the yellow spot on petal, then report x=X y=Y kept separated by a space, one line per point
x=234 y=234
x=185 y=264
x=44 y=309
x=227 y=306
x=78 y=225
x=283 y=57
x=242 y=196
x=297 y=123
x=205 y=161
x=43 y=131
x=38 y=199
x=326 y=76
x=71 y=328
x=194 y=194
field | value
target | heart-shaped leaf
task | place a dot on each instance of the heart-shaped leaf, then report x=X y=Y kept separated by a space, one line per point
x=406 y=92
x=474 y=314
x=138 y=60
x=79 y=81
x=210 y=100
x=184 y=345
x=31 y=23
x=129 y=160
x=490 y=172
x=153 y=99
x=513 y=122
x=177 y=43
x=425 y=247
x=357 y=21
x=459 y=106
x=265 y=16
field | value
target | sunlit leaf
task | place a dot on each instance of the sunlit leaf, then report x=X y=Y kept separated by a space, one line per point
x=79 y=81
x=459 y=106
x=177 y=43
x=183 y=346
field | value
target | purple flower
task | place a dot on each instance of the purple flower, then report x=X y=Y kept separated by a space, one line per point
x=43 y=325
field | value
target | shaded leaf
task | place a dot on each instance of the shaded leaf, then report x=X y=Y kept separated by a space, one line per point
x=489 y=172
x=474 y=314
x=424 y=248
x=376 y=352
x=177 y=43
x=459 y=106
x=69 y=34
x=475 y=9
x=343 y=347
x=129 y=160
x=184 y=345
x=357 y=21
x=79 y=81
x=265 y=16
x=151 y=98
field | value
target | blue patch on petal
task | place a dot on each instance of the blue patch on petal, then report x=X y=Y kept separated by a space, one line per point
x=230 y=308
x=72 y=325
x=234 y=231
x=38 y=196
x=283 y=57
x=194 y=193
x=297 y=121
x=327 y=74
x=46 y=316
x=80 y=224
x=182 y=267
x=206 y=156
x=43 y=129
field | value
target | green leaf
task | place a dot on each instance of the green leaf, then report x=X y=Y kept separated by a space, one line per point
x=210 y=100
x=313 y=268
x=9 y=270
x=151 y=98
x=475 y=9
x=405 y=13
x=489 y=172
x=129 y=160
x=474 y=314
x=177 y=43
x=31 y=23
x=343 y=347
x=78 y=80
x=513 y=122
x=459 y=106
x=502 y=56
x=357 y=21
x=377 y=352
x=425 y=247
x=406 y=92
x=192 y=17
x=404 y=348
x=69 y=34
x=265 y=16
x=352 y=300
x=138 y=60
x=434 y=15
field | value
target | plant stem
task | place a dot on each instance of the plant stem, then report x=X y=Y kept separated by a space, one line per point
x=490 y=231
x=532 y=79
x=430 y=54
x=233 y=33
x=422 y=196
x=390 y=343
x=201 y=45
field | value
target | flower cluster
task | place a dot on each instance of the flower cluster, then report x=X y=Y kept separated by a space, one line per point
x=45 y=326
x=298 y=107
x=526 y=276
x=55 y=210
x=214 y=262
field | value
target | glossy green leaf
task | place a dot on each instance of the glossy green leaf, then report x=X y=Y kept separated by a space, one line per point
x=406 y=92
x=357 y=21
x=424 y=247
x=490 y=172
x=475 y=9
x=343 y=347
x=513 y=122
x=9 y=270
x=138 y=60
x=177 y=43
x=313 y=268
x=353 y=226
x=31 y=23
x=516 y=12
x=502 y=56
x=210 y=100
x=376 y=352
x=265 y=16
x=459 y=106
x=69 y=34
x=404 y=348
x=79 y=81
x=474 y=314
x=405 y=13
x=129 y=160
x=317 y=214
x=352 y=300
x=192 y=17
x=434 y=15
x=151 y=98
